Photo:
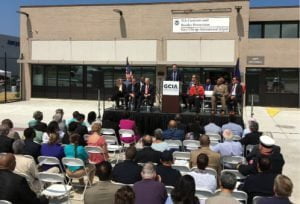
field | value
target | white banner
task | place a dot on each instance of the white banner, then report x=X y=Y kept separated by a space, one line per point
x=171 y=88
x=199 y=25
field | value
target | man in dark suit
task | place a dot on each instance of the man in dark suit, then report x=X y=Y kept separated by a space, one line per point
x=5 y=142
x=132 y=93
x=31 y=148
x=147 y=154
x=235 y=91
x=251 y=138
x=169 y=176
x=175 y=74
x=127 y=172
x=260 y=184
x=81 y=129
x=208 y=86
x=148 y=94
x=14 y=188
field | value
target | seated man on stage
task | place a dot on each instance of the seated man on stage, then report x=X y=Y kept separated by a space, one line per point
x=119 y=92
x=235 y=95
x=132 y=93
x=148 y=94
x=196 y=95
x=220 y=93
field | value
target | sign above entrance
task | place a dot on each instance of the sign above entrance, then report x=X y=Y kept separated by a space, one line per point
x=256 y=60
x=201 y=25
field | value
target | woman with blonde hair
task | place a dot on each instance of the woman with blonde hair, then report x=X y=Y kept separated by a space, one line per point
x=97 y=140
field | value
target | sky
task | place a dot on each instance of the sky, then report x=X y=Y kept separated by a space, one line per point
x=9 y=19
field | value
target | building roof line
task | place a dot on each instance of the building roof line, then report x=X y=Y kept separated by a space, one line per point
x=274 y=7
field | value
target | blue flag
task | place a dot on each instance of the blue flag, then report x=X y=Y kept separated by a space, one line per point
x=128 y=68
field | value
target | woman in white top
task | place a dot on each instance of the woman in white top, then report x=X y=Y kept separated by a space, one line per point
x=52 y=128
x=157 y=142
x=203 y=179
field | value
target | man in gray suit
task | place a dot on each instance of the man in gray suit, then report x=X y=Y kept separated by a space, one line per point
x=228 y=181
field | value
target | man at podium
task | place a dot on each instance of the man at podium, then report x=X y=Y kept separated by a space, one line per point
x=175 y=74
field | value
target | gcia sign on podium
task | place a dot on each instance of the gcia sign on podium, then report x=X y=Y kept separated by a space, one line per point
x=171 y=88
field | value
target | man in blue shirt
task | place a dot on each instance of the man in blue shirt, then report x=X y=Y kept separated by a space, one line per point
x=235 y=128
x=172 y=133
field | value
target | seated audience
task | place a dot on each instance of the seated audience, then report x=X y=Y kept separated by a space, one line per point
x=149 y=190
x=213 y=157
x=247 y=129
x=125 y=195
x=5 y=142
x=283 y=188
x=71 y=130
x=31 y=148
x=58 y=117
x=119 y=91
x=147 y=94
x=203 y=179
x=235 y=95
x=14 y=188
x=128 y=124
x=168 y=175
x=37 y=123
x=235 y=128
x=103 y=191
x=128 y=171
x=196 y=96
x=266 y=148
x=260 y=184
x=97 y=140
x=26 y=166
x=157 y=142
x=74 y=150
x=220 y=93
x=147 y=154
x=73 y=119
x=228 y=147
x=211 y=127
x=184 y=191
x=81 y=129
x=195 y=129
x=52 y=149
x=53 y=128
x=91 y=118
x=12 y=133
x=173 y=133
x=228 y=182
x=251 y=138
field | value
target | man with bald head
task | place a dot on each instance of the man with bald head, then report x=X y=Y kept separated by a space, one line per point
x=213 y=157
x=147 y=154
x=173 y=133
x=14 y=188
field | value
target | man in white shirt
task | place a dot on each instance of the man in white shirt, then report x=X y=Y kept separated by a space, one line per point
x=203 y=180
x=228 y=147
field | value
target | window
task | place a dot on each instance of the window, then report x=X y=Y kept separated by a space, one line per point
x=255 y=30
x=289 y=30
x=37 y=75
x=272 y=30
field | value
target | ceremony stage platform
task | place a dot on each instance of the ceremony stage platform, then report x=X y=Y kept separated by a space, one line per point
x=147 y=122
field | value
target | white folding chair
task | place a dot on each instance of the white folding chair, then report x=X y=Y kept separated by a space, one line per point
x=208 y=170
x=5 y=202
x=236 y=138
x=214 y=137
x=239 y=176
x=120 y=184
x=126 y=133
x=181 y=155
x=28 y=156
x=183 y=169
x=256 y=199
x=57 y=189
x=169 y=189
x=108 y=131
x=232 y=161
x=75 y=162
x=47 y=160
x=95 y=150
x=191 y=144
x=203 y=194
x=174 y=144
x=113 y=145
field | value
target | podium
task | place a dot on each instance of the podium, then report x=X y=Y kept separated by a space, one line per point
x=171 y=97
